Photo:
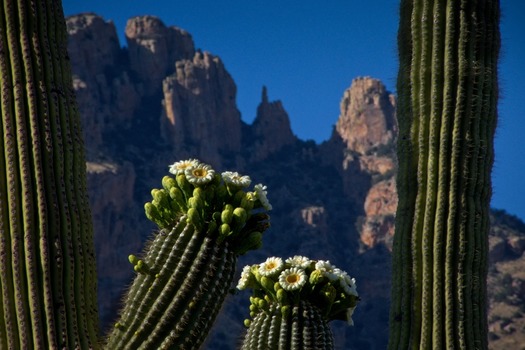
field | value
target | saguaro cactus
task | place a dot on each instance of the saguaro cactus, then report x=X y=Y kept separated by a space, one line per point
x=47 y=264
x=447 y=87
x=206 y=221
x=293 y=301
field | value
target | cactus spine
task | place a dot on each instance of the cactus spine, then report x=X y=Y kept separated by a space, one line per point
x=293 y=301
x=47 y=264
x=206 y=221
x=447 y=86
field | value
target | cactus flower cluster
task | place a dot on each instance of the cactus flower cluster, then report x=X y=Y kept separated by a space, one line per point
x=293 y=300
x=219 y=203
x=288 y=282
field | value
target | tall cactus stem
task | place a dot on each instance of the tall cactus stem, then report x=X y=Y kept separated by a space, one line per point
x=47 y=263
x=447 y=86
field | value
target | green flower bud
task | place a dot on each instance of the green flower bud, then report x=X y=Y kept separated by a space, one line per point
x=168 y=183
x=184 y=185
x=282 y=296
x=153 y=214
x=255 y=272
x=133 y=259
x=246 y=203
x=225 y=230
x=227 y=214
x=161 y=199
x=263 y=304
x=285 y=311
x=195 y=202
x=178 y=198
x=267 y=283
x=247 y=323
x=240 y=216
x=198 y=192
x=154 y=192
x=141 y=267
x=194 y=217
x=316 y=277
x=277 y=286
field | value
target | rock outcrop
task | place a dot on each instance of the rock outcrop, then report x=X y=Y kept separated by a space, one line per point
x=159 y=100
x=380 y=210
x=367 y=121
x=153 y=50
x=271 y=129
x=200 y=115
x=106 y=95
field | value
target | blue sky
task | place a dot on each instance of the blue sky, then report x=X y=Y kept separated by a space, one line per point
x=307 y=53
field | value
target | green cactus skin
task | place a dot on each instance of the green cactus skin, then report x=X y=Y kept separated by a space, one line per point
x=206 y=221
x=47 y=263
x=447 y=87
x=164 y=307
x=302 y=328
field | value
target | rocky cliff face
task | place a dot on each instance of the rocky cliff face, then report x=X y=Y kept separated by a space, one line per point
x=160 y=100
x=200 y=116
x=153 y=50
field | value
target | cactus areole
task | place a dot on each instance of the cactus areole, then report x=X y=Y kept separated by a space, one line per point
x=447 y=109
x=206 y=220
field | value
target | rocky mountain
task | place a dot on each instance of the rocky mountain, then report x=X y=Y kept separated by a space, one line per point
x=160 y=99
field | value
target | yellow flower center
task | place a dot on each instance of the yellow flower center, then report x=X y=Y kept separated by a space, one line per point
x=270 y=266
x=199 y=172
x=292 y=278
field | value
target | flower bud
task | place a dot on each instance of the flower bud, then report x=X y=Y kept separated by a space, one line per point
x=133 y=259
x=240 y=216
x=227 y=214
x=263 y=304
x=285 y=311
x=282 y=297
x=316 y=277
x=267 y=283
x=168 y=183
x=225 y=230
x=194 y=218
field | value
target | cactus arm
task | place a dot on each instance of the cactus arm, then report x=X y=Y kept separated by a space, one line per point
x=447 y=86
